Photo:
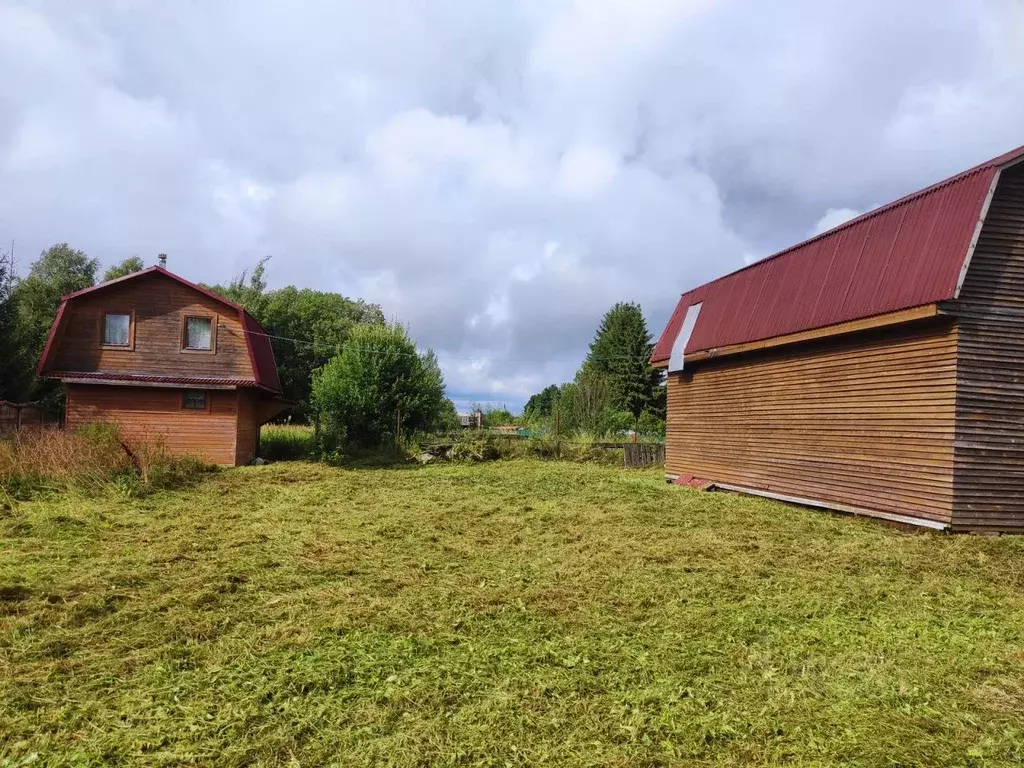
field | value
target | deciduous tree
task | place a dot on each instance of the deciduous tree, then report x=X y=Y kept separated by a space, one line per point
x=378 y=384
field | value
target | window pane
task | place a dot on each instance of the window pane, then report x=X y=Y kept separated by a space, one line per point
x=198 y=333
x=195 y=401
x=115 y=330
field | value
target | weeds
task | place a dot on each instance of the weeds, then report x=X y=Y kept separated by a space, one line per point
x=90 y=460
x=286 y=442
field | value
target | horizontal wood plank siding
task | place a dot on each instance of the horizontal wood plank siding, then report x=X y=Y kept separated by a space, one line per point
x=989 y=474
x=159 y=305
x=155 y=416
x=864 y=420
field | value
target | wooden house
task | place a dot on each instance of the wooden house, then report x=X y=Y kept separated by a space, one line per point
x=169 y=362
x=877 y=368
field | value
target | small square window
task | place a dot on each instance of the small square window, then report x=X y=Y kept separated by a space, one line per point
x=199 y=333
x=194 y=401
x=117 y=330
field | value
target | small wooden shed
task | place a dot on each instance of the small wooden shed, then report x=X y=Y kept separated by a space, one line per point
x=877 y=368
x=169 y=362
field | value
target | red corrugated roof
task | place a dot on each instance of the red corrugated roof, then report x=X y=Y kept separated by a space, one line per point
x=905 y=254
x=261 y=353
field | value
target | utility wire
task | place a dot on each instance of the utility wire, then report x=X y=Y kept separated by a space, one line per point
x=380 y=350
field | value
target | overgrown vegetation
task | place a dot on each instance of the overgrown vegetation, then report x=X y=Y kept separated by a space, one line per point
x=286 y=442
x=37 y=462
x=539 y=613
x=377 y=389
x=31 y=306
x=307 y=327
x=615 y=391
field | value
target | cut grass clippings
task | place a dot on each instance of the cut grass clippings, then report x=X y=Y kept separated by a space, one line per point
x=513 y=613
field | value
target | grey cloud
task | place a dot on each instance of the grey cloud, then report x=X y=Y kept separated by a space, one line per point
x=496 y=175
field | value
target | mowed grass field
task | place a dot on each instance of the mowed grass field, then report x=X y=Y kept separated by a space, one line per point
x=514 y=613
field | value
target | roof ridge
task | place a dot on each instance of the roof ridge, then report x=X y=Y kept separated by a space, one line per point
x=956 y=178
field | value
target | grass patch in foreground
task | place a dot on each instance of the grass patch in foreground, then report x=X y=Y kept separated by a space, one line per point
x=514 y=613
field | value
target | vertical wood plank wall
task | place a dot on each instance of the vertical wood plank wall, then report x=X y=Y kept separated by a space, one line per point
x=865 y=420
x=989 y=474
x=154 y=415
x=248 y=429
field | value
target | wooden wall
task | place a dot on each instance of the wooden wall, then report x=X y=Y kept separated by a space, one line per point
x=159 y=303
x=154 y=415
x=864 y=420
x=248 y=431
x=989 y=475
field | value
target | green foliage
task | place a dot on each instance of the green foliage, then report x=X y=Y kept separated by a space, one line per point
x=128 y=266
x=8 y=326
x=59 y=270
x=286 y=442
x=621 y=351
x=542 y=404
x=650 y=425
x=584 y=403
x=296 y=317
x=377 y=385
x=498 y=417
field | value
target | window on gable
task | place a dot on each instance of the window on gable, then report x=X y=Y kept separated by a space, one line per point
x=194 y=401
x=117 y=329
x=199 y=333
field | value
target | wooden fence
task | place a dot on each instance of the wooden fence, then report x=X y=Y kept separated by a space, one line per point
x=15 y=416
x=638 y=455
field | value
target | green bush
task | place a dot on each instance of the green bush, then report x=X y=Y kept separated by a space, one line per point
x=378 y=388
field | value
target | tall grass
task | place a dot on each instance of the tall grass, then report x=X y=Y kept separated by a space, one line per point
x=284 y=442
x=89 y=459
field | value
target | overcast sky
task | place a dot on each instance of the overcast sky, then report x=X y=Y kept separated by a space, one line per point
x=494 y=174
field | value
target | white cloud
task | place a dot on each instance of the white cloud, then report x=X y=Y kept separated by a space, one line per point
x=495 y=175
x=833 y=218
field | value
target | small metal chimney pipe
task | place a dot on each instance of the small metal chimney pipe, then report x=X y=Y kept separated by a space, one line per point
x=161 y=261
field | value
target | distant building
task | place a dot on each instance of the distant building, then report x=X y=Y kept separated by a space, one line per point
x=471 y=419
x=877 y=368
x=169 y=362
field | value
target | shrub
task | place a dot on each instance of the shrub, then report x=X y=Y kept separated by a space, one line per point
x=377 y=386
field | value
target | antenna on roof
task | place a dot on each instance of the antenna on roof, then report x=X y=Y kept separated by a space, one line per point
x=161 y=261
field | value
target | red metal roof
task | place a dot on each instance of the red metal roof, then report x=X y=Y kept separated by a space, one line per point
x=261 y=353
x=146 y=378
x=905 y=254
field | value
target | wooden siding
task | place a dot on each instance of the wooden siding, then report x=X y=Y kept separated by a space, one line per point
x=864 y=420
x=248 y=431
x=159 y=305
x=989 y=474
x=153 y=415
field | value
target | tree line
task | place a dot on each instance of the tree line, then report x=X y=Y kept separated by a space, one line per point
x=615 y=389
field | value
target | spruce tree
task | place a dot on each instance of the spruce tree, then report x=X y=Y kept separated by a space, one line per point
x=621 y=350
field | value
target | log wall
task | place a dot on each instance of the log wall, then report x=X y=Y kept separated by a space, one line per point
x=989 y=475
x=864 y=420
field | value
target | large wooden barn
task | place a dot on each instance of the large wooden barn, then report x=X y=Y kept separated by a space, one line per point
x=877 y=368
x=169 y=362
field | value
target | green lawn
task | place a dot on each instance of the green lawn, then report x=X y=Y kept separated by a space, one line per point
x=513 y=613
